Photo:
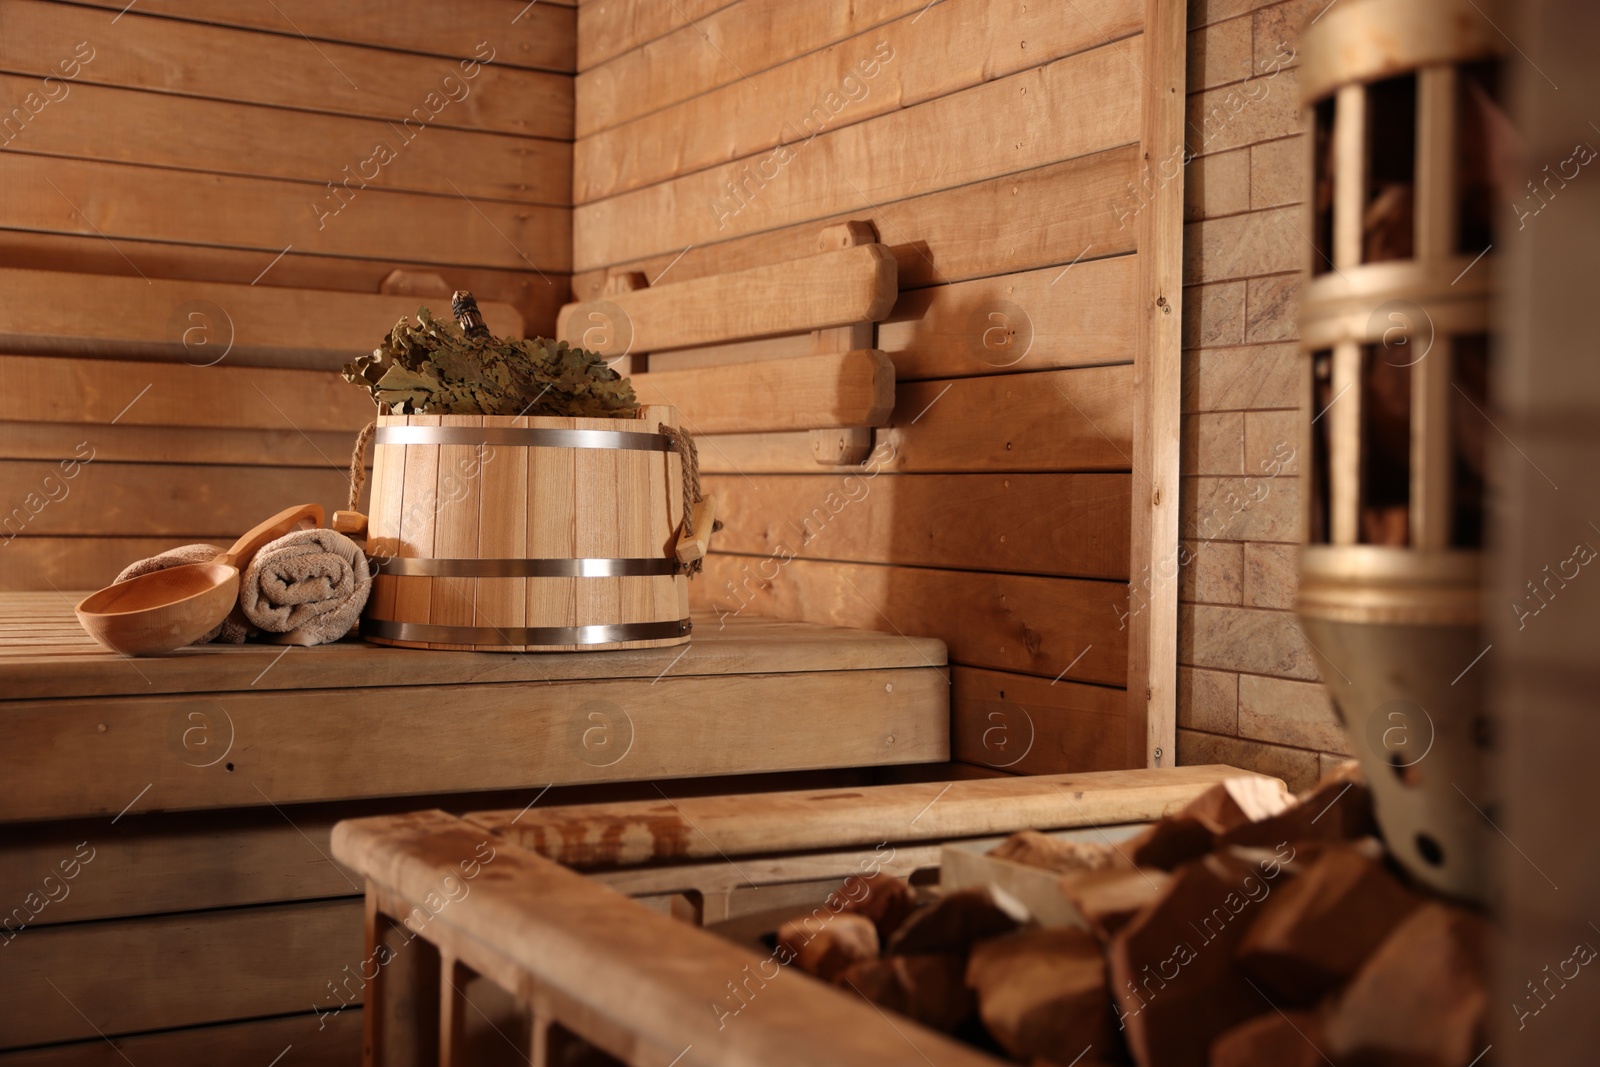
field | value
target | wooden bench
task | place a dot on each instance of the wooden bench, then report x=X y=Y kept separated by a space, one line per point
x=484 y=943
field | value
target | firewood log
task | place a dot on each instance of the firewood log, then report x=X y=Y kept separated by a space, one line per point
x=1173 y=971
x=1108 y=899
x=955 y=921
x=825 y=948
x=1034 y=849
x=1337 y=808
x=883 y=898
x=929 y=988
x=1420 y=999
x=1291 y=1039
x=1042 y=993
x=1237 y=802
x=1314 y=932
x=1170 y=843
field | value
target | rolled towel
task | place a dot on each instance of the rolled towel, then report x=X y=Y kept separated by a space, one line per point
x=232 y=630
x=308 y=586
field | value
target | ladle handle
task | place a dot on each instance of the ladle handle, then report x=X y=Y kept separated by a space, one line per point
x=283 y=522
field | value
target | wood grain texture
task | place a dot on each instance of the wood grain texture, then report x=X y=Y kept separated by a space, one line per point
x=203 y=324
x=322 y=1041
x=608 y=29
x=1072 y=524
x=931 y=52
x=1011 y=622
x=221 y=63
x=1027 y=725
x=1074 y=420
x=1158 y=388
x=228 y=137
x=116 y=201
x=1049 y=215
x=1074 y=107
x=814 y=392
x=196 y=445
x=144 y=974
x=541 y=36
x=502 y=736
x=815 y=292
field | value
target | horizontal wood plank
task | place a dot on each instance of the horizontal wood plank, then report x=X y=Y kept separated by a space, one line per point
x=816 y=392
x=608 y=29
x=1056 y=524
x=1013 y=622
x=319 y=1041
x=927 y=53
x=536 y=295
x=1050 y=215
x=225 y=137
x=541 y=36
x=290 y=750
x=112 y=200
x=1073 y=107
x=833 y=288
x=1028 y=725
x=220 y=63
x=147 y=974
x=1072 y=420
x=205 y=323
x=157 y=500
x=89 y=391
x=35 y=563
x=201 y=445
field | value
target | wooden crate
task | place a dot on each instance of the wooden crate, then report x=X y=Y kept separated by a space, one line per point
x=191 y=795
x=469 y=926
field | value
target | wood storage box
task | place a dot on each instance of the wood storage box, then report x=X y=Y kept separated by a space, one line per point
x=526 y=534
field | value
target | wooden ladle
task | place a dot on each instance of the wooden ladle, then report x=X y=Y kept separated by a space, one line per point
x=169 y=609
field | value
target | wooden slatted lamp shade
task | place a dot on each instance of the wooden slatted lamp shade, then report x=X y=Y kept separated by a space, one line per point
x=1394 y=329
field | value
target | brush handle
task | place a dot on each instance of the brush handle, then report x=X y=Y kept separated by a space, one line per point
x=283 y=522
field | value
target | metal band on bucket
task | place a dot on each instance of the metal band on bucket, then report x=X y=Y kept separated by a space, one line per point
x=526 y=436
x=591 y=567
x=429 y=633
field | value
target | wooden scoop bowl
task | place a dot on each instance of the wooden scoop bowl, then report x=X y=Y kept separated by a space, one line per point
x=169 y=609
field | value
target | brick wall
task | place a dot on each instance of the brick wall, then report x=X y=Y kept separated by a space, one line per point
x=1248 y=692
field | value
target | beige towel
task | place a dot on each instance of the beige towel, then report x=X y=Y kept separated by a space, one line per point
x=309 y=586
x=232 y=630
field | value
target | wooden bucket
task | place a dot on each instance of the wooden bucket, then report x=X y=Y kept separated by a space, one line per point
x=511 y=534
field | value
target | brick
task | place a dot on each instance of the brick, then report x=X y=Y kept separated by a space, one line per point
x=1214 y=572
x=1269 y=437
x=1278 y=29
x=1297 y=768
x=1205 y=12
x=1212 y=443
x=1243 y=639
x=1271 y=575
x=1208 y=700
x=1241 y=246
x=1240 y=509
x=1216 y=185
x=1213 y=315
x=1271 y=307
x=1231 y=379
x=1289 y=712
x=1263 y=109
x=1277 y=174
x=1221 y=53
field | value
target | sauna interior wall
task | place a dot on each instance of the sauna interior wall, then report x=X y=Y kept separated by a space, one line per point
x=287 y=144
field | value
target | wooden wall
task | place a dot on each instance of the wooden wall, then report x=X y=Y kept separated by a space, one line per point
x=150 y=154
x=995 y=147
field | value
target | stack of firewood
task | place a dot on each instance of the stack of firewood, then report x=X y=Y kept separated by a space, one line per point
x=1252 y=927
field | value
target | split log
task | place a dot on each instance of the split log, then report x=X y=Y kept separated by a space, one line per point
x=929 y=988
x=1042 y=993
x=1290 y=1039
x=1170 y=843
x=1420 y=999
x=882 y=898
x=1173 y=971
x=1337 y=808
x=1108 y=899
x=841 y=941
x=1033 y=849
x=1315 y=931
x=955 y=921
x=1237 y=802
